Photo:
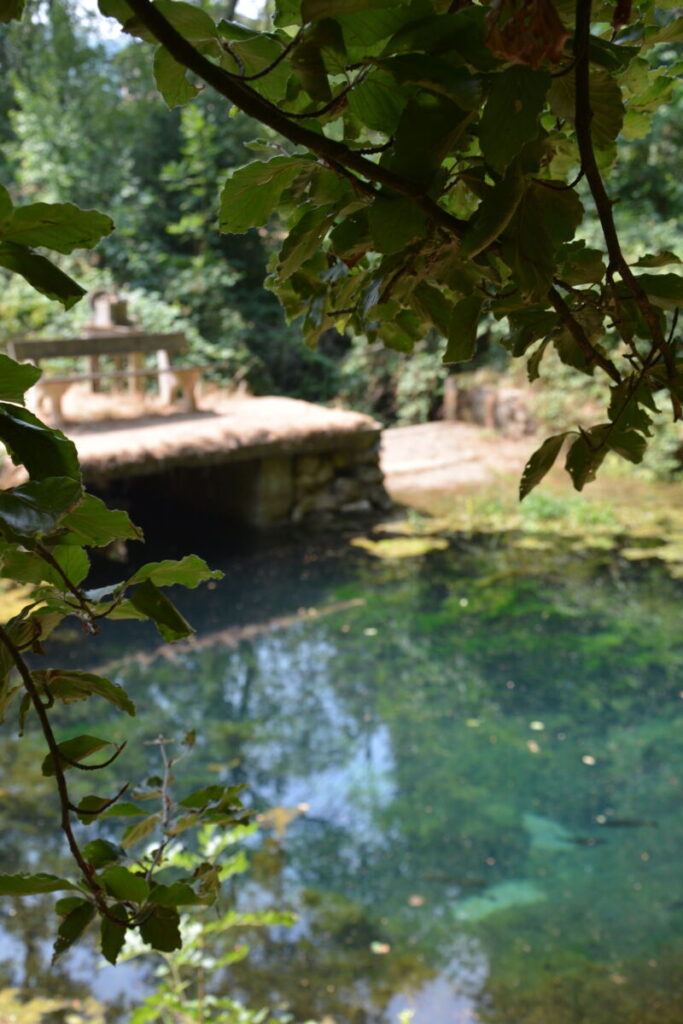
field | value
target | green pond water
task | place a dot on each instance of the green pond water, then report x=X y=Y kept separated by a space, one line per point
x=479 y=747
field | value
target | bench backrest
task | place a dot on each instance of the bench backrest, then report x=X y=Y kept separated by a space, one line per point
x=97 y=345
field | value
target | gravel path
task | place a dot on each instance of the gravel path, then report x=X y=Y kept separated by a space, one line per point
x=447 y=456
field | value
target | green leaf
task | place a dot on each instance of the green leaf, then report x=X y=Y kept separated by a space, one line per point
x=494 y=213
x=460 y=35
x=560 y=208
x=122 y=884
x=662 y=258
x=73 y=561
x=311 y=10
x=38 y=507
x=351 y=237
x=140 y=830
x=92 y=523
x=180 y=894
x=670 y=33
x=70 y=686
x=16 y=379
x=161 y=930
x=433 y=305
x=585 y=456
x=188 y=19
x=528 y=250
x=209 y=794
x=308 y=64
x=91 y=806
x=540 y=463
x=72 y=927
x=251 y=194
x=66 y=904
x=607 y=105
x=189 y=572
x=154 y=604
x=430 y=128
x=171 y=79
x=664 y=290
x=76 y=750
x=580 y=265
x=629 y=444
x=304 y=240
x=8 y=692
x=437 y=75
x=287 y=12
x=394 y=222
x=124 y=810
x=462 y=329
x=534 y=361
x=11 y=10
x=100 y=852
x=511 y=115
x=31 y=885
x=40 y=273
x=60 y=226
x=6 y=207
x=43 y=451
x=112 y=934
x=377 y=103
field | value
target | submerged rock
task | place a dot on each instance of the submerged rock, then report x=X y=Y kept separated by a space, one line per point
x=547 y=834
x=517 y=892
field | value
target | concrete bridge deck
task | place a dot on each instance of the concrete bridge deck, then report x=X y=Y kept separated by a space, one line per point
x=236 y=431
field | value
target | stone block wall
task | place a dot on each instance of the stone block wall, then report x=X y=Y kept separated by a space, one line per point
x=322 y=487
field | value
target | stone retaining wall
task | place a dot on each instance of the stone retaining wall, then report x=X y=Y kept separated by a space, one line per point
x=319 y=487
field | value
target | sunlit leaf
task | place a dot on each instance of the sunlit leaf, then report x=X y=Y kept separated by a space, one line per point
x=16 y=379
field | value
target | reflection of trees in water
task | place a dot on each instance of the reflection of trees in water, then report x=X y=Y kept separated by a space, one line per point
x=406 y=724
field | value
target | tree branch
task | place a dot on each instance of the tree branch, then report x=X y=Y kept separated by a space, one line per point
x=62 y=788
x=248 y=100
x=603 y=203
x=579 y=335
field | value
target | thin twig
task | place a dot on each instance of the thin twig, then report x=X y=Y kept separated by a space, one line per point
x=103 y=807
x=83 y=605
x=93 y=767
x=271 y=67
x=60 y=778
x=166 y=803
x=580 y=337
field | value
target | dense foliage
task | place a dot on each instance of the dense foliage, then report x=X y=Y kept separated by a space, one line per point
x=432 y=173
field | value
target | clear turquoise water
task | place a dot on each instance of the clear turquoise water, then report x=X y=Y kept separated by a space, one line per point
x=487 y=745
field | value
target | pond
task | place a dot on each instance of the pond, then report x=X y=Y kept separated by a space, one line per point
x=475 y=746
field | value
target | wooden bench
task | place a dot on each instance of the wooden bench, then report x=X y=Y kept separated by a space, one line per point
x=124 y=346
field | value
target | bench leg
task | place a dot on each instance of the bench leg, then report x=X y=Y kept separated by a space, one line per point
x=136 y=383
x=94 y=365
x=188 y=381
x=50 y=396
x=165 y=379
x=118 y=381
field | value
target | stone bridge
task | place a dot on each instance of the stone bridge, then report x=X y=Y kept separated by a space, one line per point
x=259 y=461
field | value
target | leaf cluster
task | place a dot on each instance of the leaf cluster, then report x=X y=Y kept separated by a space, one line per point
x=431 y=176
x=47 y=525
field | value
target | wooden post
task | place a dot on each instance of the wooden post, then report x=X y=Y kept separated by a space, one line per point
x=450 y=399
x=94 y=367
x=118 y=381
x=165 y=377
x=136 y=384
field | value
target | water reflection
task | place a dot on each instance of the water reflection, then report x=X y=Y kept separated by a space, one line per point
x=484 y=766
